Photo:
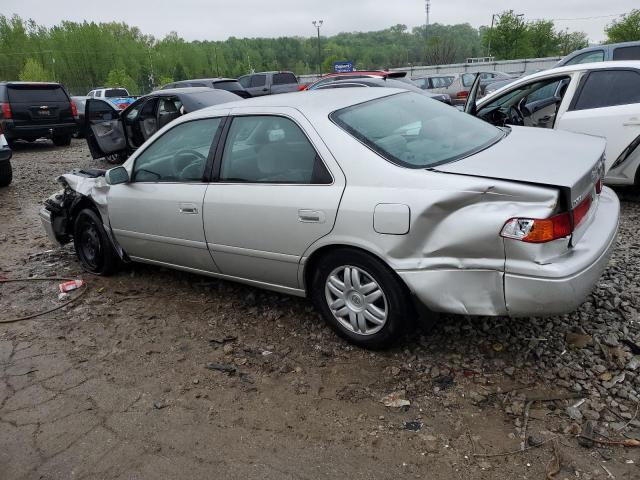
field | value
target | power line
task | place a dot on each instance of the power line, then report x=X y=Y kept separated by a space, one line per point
x=581 y=18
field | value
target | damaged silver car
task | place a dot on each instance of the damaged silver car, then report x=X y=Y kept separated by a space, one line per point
x=373 y=202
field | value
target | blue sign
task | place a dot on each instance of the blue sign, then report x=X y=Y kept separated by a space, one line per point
x=343 y=67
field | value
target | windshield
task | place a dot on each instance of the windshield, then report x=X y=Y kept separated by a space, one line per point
x=115 y=92
x=415 y=131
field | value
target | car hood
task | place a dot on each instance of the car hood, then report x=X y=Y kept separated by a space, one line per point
x=570 y=161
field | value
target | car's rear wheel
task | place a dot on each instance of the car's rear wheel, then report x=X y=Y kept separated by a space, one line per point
x=6 y=174
x=92 y=245
x=61 y=140
x=360 y=298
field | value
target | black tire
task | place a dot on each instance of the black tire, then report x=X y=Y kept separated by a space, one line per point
x=6 y=174
x=395 y=297
x=61 y=140
x=93 y=247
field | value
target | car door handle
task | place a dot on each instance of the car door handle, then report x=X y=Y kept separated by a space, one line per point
x=311 y=216
x=632 y=123
x=188 y=208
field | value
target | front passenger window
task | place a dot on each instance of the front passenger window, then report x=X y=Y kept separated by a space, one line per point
x=180 y=155
x=270 y=149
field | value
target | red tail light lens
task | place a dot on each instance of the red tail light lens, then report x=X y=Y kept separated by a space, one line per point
x=6 y=111
x=462 y=94
x=533 y=230
x=74 y=109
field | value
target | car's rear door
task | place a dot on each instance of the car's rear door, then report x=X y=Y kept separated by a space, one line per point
x=277 y=191
x=258 y=85
x=39 y=104
x=606 y=104
x=157 y=216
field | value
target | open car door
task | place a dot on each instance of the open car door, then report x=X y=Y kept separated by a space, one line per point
x=104 y=129
x=470 y=105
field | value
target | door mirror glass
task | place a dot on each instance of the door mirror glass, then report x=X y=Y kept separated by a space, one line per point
x=117 y=175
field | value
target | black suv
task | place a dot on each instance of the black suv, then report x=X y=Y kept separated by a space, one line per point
x=32 y=110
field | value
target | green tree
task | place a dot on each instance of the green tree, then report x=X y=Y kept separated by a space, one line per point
x=118 y=77
x=626 y=29
x=507 y=38
x=571 y=41
x=179 y=73
x=542 y=38
x=34 y=72
x=163 y=80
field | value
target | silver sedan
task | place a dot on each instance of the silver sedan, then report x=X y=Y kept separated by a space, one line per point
x=373 y=202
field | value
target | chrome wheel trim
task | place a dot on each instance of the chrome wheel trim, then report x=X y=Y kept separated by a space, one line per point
x=356 y=300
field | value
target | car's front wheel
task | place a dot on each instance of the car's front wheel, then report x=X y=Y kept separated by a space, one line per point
x=360 y=298
x=92 y=245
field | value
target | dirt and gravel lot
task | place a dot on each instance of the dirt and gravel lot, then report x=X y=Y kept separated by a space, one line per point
x=160 y=374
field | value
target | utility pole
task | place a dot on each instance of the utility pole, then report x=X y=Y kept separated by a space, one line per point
x=427 y=9
x=318 y=24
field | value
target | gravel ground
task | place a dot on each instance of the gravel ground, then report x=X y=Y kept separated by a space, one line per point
x=161 y=374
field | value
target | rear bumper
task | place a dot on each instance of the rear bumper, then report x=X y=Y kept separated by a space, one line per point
x=557 y=287
x=13 y=131
x=564 y=284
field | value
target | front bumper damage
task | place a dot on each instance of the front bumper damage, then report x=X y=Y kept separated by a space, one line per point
x=82 y=189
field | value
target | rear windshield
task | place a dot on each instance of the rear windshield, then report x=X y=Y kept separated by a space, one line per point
x=231 y=85
x=414 y=131
x=37 y=93
x=116 y=92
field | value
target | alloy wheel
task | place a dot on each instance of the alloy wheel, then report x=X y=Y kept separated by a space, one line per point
x=356 y=300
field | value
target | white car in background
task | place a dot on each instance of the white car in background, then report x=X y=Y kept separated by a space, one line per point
x=601 y=99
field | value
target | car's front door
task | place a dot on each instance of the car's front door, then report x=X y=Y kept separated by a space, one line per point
x=278 y=191
x=157 y=216
x=607 y=104
x=104 y=129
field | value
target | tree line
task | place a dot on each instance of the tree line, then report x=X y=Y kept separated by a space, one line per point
x=88 y=54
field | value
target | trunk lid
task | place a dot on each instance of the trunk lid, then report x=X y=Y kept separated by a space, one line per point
x=40 y=104
x=565 y=160
x=570 y=162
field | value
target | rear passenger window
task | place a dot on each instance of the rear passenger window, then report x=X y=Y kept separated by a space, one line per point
x=627 y=53
x=258 y=80
x=607 y=88
x=270 y=149
x=587 y=57
x=284 y=78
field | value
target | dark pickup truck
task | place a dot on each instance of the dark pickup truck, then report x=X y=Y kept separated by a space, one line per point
x=269 y=83
x=32 y=110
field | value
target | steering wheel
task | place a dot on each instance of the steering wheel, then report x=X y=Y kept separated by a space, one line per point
x=182 y=160
x=515 y=116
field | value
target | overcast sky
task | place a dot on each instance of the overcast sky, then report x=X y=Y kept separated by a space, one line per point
x=220 y=19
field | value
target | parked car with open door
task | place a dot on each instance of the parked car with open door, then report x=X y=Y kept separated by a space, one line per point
x=599 y=99
x=115 y=134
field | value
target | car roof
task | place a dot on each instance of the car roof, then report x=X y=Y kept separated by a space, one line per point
x=213 y=79
x=181 y=91
x=580 y=67
x=29 y=83
x=321 y=102
x=586 y=66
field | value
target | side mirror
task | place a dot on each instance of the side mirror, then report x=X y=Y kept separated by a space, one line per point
x=117 y=175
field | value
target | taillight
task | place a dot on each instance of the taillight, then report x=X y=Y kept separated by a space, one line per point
x=6 y=111
x=74 y=109
x=534 y=230
x=122 y=106
x=463 y=94
x=303 y=87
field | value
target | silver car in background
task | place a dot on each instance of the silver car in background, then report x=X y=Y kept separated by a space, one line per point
x=373 y=202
